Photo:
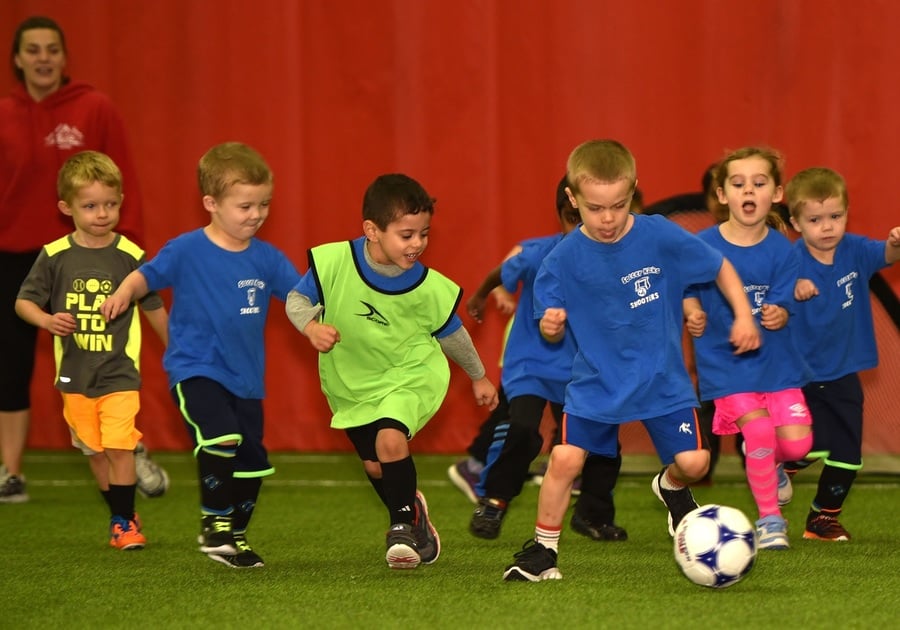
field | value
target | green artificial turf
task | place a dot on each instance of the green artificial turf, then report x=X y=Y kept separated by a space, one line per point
x=320 y=529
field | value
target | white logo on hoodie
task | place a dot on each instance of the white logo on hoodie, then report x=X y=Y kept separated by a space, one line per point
x=64 y=137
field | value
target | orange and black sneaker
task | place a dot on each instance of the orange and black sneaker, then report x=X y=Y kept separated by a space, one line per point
x=824 y=527
x=125 y=535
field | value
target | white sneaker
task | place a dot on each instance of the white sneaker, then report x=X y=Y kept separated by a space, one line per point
x=771 y=533
x=152 y=479
x=785 y=488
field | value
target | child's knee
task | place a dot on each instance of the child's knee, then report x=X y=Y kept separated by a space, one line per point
x=692 y=465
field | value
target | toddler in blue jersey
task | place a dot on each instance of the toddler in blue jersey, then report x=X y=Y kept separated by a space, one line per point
x=535 y=374
x=222 y=279
x=835 y=333
x=382 y=323
x=616 y=284
x=756 y=394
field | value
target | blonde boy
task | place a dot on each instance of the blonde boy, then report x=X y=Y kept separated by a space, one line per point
x=97 y=362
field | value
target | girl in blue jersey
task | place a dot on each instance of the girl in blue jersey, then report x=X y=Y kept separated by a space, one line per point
x=616 y=285
x=835 y=334
x=756 y=394
x=222 y=280
x=382 y=323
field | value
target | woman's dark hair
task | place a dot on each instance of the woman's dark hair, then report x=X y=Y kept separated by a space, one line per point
x=33 y=22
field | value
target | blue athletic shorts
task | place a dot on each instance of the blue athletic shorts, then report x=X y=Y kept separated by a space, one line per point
x=671 y=434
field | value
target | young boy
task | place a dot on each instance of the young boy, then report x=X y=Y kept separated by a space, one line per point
x=97 y=363
x=535 y=373
x=835 y=333
x=616 y=284
x=382 y=322
x=222 y=280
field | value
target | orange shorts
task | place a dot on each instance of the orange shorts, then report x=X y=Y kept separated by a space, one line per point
x=100 y=423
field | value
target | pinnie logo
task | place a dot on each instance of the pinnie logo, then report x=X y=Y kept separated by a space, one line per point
x=373 y=315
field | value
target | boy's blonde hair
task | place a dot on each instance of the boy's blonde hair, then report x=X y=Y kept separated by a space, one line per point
x=228 y=164
x=603 y=161
x=815 y=184
x=83 y=169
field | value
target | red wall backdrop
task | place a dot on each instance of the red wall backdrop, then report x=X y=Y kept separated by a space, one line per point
x=481 y=100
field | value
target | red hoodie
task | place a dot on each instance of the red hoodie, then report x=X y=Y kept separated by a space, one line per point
x=35 y=139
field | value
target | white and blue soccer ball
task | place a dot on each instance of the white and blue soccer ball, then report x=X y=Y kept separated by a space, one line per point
x=715 y=546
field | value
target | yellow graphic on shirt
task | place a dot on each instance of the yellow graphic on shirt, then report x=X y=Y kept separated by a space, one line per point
x=84 y=302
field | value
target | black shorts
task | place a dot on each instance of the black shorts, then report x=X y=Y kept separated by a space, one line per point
x=18 y=338
x=213 y=415
x=837 y=414
x=363 y=437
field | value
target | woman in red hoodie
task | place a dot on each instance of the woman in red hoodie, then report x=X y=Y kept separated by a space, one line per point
x=45 y=119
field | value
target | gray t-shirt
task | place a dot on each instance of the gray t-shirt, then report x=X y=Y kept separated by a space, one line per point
x=100 y=357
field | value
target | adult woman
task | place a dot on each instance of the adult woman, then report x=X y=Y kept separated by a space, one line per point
x=45 y=119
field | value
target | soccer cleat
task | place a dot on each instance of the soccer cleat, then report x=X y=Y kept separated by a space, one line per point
x=402 y=549
x=678 y=502
x=245 y=558
x=125 y=534
x=534 y=563
x=785 y=489
x=152 y=480
x=464 y=479
x=603 y=531
x=487 y=518
x=12 y=489
x=428 y=540
x=771 y=533
x=216 y=536
x=824 y=527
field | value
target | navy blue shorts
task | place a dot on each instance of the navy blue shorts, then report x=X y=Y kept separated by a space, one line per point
x=213 y=415
x=671 y=434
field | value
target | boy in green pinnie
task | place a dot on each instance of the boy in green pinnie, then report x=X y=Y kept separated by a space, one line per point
x=382 y=323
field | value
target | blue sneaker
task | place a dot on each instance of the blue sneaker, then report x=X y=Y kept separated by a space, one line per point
x=785 y=489
x=771 y=533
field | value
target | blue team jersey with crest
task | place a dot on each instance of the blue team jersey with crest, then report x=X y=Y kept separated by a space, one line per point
x=835 y=329
x=624 y=309
x=768 y=270
x=219 y=308
x=531 y=364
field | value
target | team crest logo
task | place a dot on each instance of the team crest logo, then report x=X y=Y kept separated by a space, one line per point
x=642 y=286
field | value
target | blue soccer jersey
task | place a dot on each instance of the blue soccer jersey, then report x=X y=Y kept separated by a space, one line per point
x=624 y=309
x=768 y=270
x=219 y=308
x=531 y=364
x=835 y=329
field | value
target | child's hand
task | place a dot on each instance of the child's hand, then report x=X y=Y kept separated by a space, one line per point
x=695 y=323
x=553 y=323
x=61 y=324
x=804 y=290
x=485 y=393
x=893 y=238
x=773 y=317
x=322 y=336
x=114 y=305
x=506 y=301
x=475 y=308
x=744 y=335
x=892 y=247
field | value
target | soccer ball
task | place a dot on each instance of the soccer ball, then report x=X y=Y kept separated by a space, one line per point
x=715 y=545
